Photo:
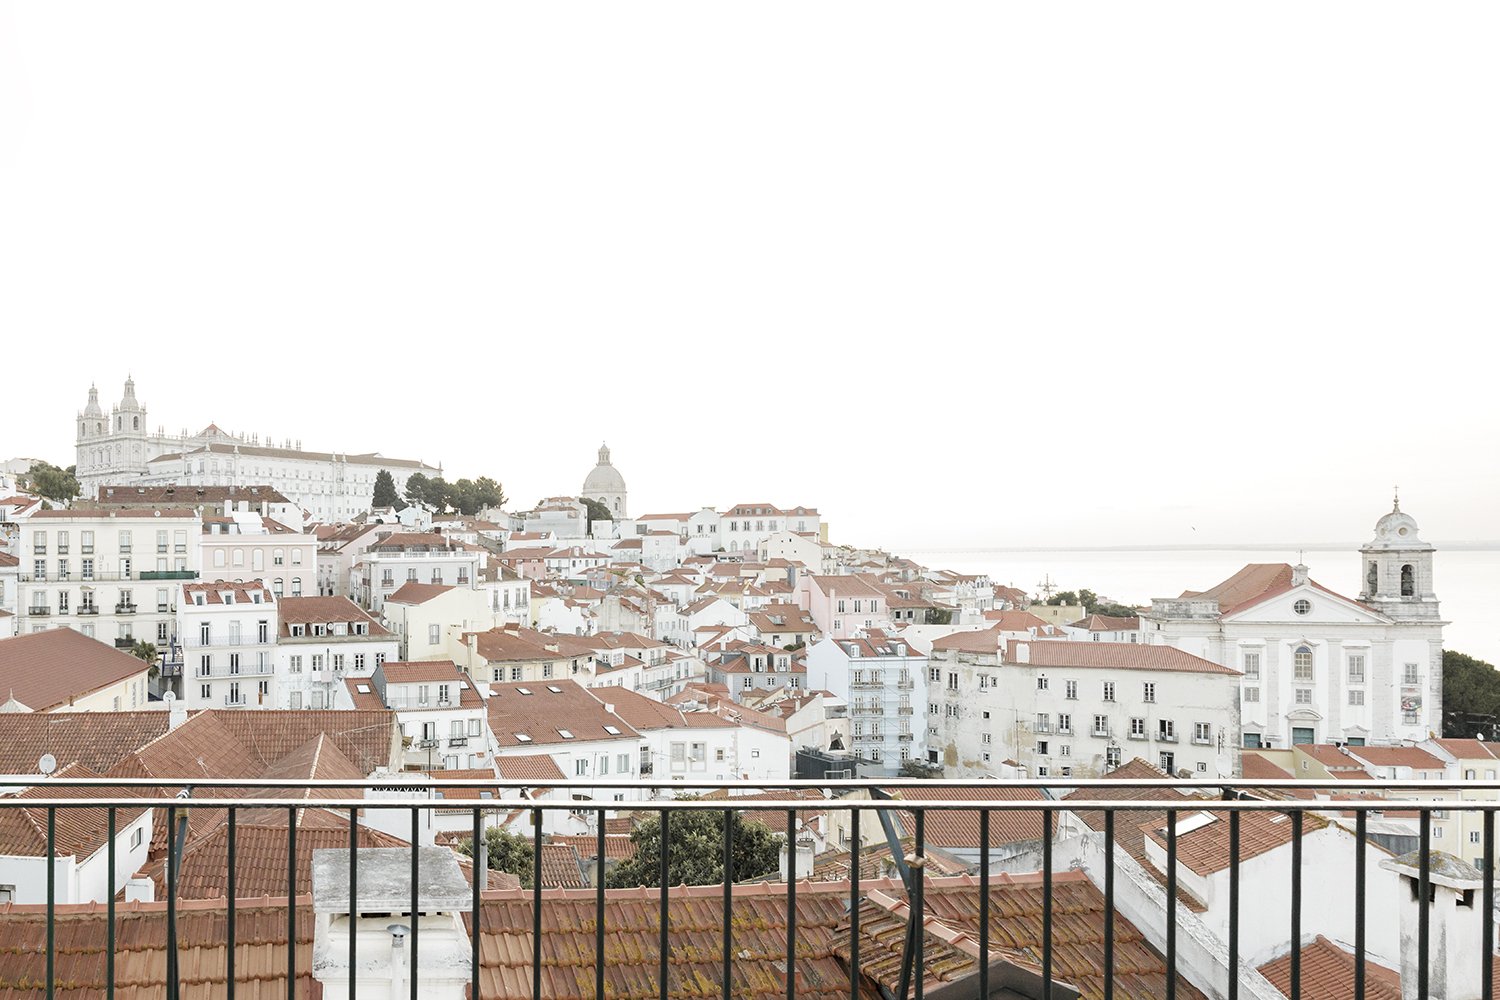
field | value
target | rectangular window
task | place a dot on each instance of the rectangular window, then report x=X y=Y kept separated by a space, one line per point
x=1041 y=683
x=1409 y=675
x=1202 y=732
x=1137 y=728
x=1070 y=689
x=1111 y=757
x=1302 y=664
x=433 y=634
x=1166 y=729
x=1101 y=725
x=1148 y=692
x=1303 y=696
x=1041 y=748
x=1356 y=697
x=1167 y=761
x=1252 y=695
x=1043 y=723
x=1109 y=690
x=1064 y=723
x=1356 y=668
x=1252 y=666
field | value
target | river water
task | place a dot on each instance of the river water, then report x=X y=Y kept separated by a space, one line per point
x=1467 y=581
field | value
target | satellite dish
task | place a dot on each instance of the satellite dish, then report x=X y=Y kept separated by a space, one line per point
x=47 y=764
x=169 y=697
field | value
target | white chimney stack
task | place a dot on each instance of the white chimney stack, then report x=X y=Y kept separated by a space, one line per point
x=383 y=923
x=1455 y=911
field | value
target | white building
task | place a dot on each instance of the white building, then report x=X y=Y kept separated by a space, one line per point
x=120 y=448
x=883 y=680
x=1074 y=709
x=440 y=712
x=577 y=728
x=246 y=546
x=1320 y=667
x=112 y=575
x=745 y=526
x=401 y=557
x=321 y=642
x=227 y=632
x=702 y=746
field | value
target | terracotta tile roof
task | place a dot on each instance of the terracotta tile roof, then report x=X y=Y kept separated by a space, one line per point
x=1253 y=765
x=617 y=847
x=551 y=708
x=980 y=641
x=561 y=867
x=6 y=559
x=875 y=862
x=1327 y=973
x=1328 y=755
x=46 y=670
x=412 y=592
x=1112 y=656
x=140 y=960
x=1128 y=825
x=846 y=586
x=124 y=516
x=1468 y=749
x=958 y=830
x=369 y=739
x=323 y=611
x=213 y=591
x=260 y=858
x=1412 y=757
x=97 y=740
x=529 y=767
x=1015 y=621
x=418 y=671
x=80 y=832
x=1106 y=623
x=1255 y=583
x=1205 y=850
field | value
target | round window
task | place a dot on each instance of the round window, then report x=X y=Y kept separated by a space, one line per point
x=1302 y=607
x=1402 y=531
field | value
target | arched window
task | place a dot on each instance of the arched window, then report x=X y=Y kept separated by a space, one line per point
x=1372 y=579
x=1302 y=664
x=296 y=586
x=136 y=421
x=276 y=586
x=1408 y=581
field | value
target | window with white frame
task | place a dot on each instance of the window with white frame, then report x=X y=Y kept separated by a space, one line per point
x=1251 y=663
x=1302 y=664
x=1356 y=697
x=1356 y=668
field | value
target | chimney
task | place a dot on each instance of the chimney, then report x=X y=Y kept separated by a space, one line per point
x=383 y=923
x=1455 y=910
x=804 y=859
x=176 y=710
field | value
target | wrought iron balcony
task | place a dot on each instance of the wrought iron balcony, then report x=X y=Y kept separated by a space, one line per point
x=869 y=936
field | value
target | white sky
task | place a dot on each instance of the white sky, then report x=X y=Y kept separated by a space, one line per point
x=956 y=274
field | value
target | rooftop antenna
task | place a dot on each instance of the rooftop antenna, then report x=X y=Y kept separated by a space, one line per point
x=1046 y=587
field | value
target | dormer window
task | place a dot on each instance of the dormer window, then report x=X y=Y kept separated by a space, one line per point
x=198 y=599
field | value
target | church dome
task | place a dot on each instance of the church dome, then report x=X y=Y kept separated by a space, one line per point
x=605 y=478
x=1397 y=530
x=93 y=409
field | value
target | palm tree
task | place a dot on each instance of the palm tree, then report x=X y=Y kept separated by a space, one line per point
x=144 y=650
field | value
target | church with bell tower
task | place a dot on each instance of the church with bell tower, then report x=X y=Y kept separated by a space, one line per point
x=1398 y=569
x=115 y=447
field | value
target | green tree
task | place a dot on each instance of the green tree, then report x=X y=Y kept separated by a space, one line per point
x=939 y=616
x=417 y=488
x=597 y=511
x=488 y=493
x=48 y=481
x=506 y=852
x=917 y=769
x=1471 y=697
x=385 y=491
x=696 y=856
x=143 y=650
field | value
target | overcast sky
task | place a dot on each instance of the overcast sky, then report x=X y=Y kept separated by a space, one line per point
x=955 y=274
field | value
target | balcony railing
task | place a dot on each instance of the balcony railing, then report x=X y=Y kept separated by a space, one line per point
x=962 y=908
x=168 y=574
x=124 y=609
x=221 y=640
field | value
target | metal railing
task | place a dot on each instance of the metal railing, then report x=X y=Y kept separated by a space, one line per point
x=1233 y=799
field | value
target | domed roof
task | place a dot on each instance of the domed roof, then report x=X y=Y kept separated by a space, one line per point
x=93 y=409
x=605 y=478
x=1397 y=530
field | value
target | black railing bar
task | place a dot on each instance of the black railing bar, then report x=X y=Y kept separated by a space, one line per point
x=664 y=943
x=171 y=902
x=536 y=904
x=1424 y=902
x=1171 y=948
x=416 y=908
x=1296 y=915
x=1205 y=785
x=1360 y=825
x=109 y=961
x=854 y=898
x=791 y=905
x=52 y=902
x=984 y=903
x=1046 y=906
x=1487 y=988
x=1109 y=906
x=233 y=838
x=599 y=865
x=354 y=903
x=291 y=904
x=917 y=916
x=1234 y=906
x=804 y=805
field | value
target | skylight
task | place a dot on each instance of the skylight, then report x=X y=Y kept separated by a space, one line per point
x=565 y=734
x=554 y=690
x=524 y=690
x=523 y=738
x=612 y=730
x=362 y=688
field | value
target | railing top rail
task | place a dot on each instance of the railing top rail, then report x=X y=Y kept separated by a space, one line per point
x=1184 y=806
x=1190 y=785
